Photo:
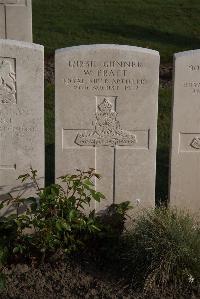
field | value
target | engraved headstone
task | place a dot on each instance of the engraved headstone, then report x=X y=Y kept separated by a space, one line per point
x=185 y=151
x=106 y=115
x=21 y=114
x=16 y=20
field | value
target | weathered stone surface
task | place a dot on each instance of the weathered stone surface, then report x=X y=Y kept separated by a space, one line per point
x=106 y=115
x=16 y=20
x=185 y=152
x=21 y=113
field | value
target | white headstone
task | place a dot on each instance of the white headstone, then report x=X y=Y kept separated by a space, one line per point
x=106 y=116
x=185 y=152
x=16 y=20
x=21 y=113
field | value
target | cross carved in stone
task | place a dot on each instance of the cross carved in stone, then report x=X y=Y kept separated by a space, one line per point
x=5 y=4
x=106 y=133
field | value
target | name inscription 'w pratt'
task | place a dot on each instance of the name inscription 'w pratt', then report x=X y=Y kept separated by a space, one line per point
x=7 y=83
x=107 y=130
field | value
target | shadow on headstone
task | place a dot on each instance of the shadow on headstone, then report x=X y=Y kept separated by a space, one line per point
x=21 y=191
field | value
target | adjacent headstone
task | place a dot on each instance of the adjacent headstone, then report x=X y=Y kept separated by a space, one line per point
x=21 y=114
x=185 y=152
x=16 y=20
x=106 y=116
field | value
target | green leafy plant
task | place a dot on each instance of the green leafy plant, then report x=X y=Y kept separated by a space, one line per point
x=62 y=216
x=59 y=217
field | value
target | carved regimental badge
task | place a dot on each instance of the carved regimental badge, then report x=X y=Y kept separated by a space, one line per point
x=7 y=83
x=195 y=143
x=107 y=131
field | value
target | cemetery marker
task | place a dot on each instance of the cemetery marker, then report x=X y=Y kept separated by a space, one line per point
x=16 y=20
x=185 y=149
x=4 y=3
x=21 y=114
x=106 y=114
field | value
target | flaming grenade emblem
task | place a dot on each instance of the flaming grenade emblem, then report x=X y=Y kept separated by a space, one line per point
x=107 y=130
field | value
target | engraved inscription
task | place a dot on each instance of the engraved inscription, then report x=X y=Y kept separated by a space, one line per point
x=111 y=75
x=18 y=127
x=194 y=67
x=105 y=64
x=7 y=82
x=195 y=143
x=107 y=130
x=194 y=87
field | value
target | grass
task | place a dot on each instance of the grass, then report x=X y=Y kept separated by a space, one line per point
x=162 y=253
x=167 y=26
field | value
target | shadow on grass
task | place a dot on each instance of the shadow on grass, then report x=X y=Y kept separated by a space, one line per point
x=148 y=35
x=49 y=164
x=49 y=134
x=162 y=176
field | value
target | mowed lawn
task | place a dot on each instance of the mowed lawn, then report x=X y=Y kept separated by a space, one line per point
x=167 y=26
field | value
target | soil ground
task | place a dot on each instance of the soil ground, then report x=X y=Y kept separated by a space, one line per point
x=74 y=278
x=69 y=280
